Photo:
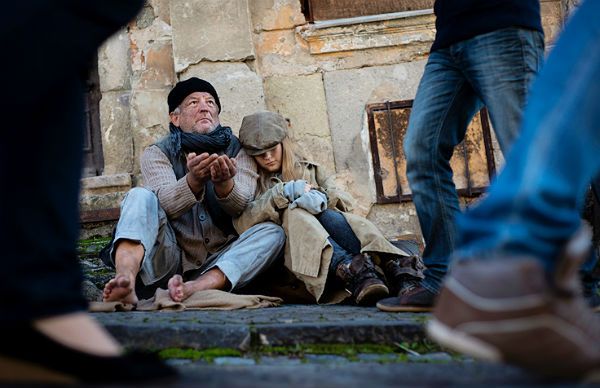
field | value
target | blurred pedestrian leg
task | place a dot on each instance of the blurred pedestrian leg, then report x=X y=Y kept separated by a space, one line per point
x=514 y=292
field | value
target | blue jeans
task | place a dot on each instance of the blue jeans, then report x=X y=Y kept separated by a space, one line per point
x=493 y=69
x=341 y=237
x=533 y=207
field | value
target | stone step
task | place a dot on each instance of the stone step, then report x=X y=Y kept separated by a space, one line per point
x=284 y=326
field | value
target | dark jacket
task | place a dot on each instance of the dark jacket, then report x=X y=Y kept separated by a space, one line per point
x=458 y=20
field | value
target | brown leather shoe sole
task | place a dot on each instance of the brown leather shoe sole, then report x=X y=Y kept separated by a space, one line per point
x=462 y=342
x=371 y=294
x=393 y=305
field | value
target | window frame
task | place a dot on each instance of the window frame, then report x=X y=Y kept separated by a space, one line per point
x=381 y=198
x=312 y=13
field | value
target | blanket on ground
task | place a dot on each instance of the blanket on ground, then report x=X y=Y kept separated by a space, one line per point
x=200 y=300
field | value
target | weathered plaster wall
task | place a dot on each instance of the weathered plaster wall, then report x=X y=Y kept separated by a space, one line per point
x=261 y=54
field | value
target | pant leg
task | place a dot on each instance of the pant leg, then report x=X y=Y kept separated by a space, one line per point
x=339 y=256
x=444 y=105
x=339 y=230
x=253 y=252
x=533 y=207
x=143 y=220
x=40 y=149
x=500 y=67
x=341 y=237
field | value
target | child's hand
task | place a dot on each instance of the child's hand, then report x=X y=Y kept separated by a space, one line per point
x=294 y=189
x=313 y=202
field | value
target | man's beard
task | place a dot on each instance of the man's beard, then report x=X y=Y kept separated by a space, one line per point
x=212 y=127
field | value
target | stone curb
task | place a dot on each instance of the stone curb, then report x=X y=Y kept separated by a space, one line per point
x=251 y=329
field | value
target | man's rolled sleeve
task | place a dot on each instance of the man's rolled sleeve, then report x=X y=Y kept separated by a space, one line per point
x=174 y=195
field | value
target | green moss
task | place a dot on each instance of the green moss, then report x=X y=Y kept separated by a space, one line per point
x=207 y=355
x=92 y=246
x=188 y=354
x=421 y=318
x=393 y=353
x=349 y=351
x=94 y=241
x=104 y=271
x=389 y=353
x=421 y=347
x=392 y=360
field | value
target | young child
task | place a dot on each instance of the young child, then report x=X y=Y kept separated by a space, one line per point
x=332 y=251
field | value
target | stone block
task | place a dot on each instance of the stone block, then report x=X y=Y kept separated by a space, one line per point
x=293 y=97
x=317 y=149
x=396 y=220
x=105 y=183
x=102 y=201
x=102 y=192
x=145 y=17
x=152 y=55
x=158 y=70
x=117 y=142
x=280 y=53
x=348 y=92
x=285 y=52
x=394 y=32
x=276 y=14
x=363 y=198
x=161 y=9
x=114 y=67
x=149 y=120
x=240 y=89
x=552 y=19
x=210 y=30
x=149 y=108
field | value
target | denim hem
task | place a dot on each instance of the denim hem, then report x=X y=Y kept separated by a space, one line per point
x=231 y=273
x=430 y=287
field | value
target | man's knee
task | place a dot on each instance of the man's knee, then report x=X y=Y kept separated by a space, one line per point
x=140 y=195
x=139 y=201
x=268 y=230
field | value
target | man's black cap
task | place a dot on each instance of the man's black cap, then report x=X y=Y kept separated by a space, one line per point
x=184 y=88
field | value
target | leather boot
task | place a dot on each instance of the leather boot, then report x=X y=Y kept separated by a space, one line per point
x=362 y=280
x=402 y=272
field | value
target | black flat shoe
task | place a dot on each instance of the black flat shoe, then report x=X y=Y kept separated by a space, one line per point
x=28 y=356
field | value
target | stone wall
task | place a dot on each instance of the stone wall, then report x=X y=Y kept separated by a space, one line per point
x=261 y=54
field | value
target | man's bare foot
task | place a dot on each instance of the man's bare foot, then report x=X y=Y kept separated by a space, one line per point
x=177 y=289
x=211 y=280
x=120 y=289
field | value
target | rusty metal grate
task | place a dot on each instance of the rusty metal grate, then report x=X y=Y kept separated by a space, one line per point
x=472 y=162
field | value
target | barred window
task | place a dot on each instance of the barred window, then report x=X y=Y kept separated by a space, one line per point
x=472 y=162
